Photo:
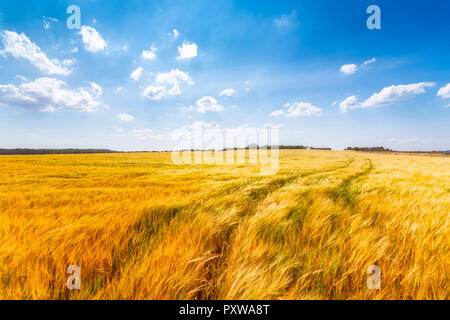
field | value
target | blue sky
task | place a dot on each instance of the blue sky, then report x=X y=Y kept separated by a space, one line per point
x=127 y=81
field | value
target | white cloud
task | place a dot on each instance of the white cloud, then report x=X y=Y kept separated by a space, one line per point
x=227 y=92
x=125 y=117
x=96 y=89
x=187 y=51
x=20 y=46
x=49 y=94
x=277 y=113
x=167 y=84
x=136 y=74
x=92 y=40
x=175 y=33
x=349 y=68
x=155 y=92
x=285 y=20
x=119 y=89
x=395 y=93
x=444 y=92
x=349 y=103
x=149 y=54
x=386 y=96
x=369 y=61
x=173 y=79
x=208 y=104
x=297 y=109
x=352 y=68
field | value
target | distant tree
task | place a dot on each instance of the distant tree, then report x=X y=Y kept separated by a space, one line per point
x=369 y=149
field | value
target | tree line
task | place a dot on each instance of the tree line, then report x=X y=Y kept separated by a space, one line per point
x=19 y=151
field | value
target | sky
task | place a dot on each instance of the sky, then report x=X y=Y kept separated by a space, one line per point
x=137 y=73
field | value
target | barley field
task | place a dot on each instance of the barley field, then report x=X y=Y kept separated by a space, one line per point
x=141 y=227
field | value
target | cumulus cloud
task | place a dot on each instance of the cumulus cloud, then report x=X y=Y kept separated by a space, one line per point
x=49 y=94
x=208 y=104
x=136 y=74
x=349 y=103
x=444 y=92
x=155 y=92
x=20 y=46
x=297 y=109
x=167 y=84
x=125 y=117
x=187 y=51
x=227 y=92
x=349 y=68
x=149 y=54
x=386 y=96
x=173 y=79
x=92 y=40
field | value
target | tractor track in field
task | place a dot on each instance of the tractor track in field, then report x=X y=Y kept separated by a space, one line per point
x=253 y=200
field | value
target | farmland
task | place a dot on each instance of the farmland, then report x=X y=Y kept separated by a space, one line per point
x=141 y=227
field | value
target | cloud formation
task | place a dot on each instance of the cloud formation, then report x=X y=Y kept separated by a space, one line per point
x=49 y=94
x=167 y=84
x=187 y=51
x=92 y=40
x=444 y=92
x=208 y=103
x=369 y=61
x=136 y=74
x=20 y=46
x=386 y=96
x=125 y=117
x=349 y=68
x=352 y=68
x=297 y=109
x=227 y=92
x=149 y=54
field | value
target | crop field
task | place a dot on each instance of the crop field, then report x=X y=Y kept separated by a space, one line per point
x=141 y=227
